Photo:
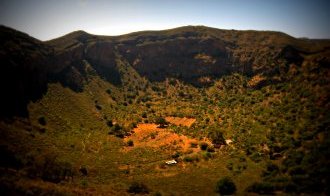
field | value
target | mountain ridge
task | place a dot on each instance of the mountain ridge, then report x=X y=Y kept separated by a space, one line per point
x=189 y=53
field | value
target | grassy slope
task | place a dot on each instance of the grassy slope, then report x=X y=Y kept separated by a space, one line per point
x=76 y=132
x=74 y=122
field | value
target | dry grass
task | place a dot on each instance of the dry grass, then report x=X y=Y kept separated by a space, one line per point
x=180 y=121
x=149 y=135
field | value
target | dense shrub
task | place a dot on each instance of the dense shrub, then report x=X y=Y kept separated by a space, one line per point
x=42 y=121
x=109 y=123
x=118 y=131
x=191 y=158
x=133 y=125
x=207 y=155
x=188 y=159
x=225 y=186
x=130 y=142
x=203 y=145
x=138 y=188
x=98 y=107
x=217 y=137
x=83 y=170
x=161 y=122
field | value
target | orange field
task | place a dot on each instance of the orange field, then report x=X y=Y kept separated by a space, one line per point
x=150 y=135
x=180 y=121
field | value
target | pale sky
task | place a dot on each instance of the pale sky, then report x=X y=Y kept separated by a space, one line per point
x=48 y=19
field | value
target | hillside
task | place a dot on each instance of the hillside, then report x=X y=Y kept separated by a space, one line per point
x=100 y=115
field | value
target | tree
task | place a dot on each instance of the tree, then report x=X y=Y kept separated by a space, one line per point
x=130 y=142
x=226 y=186
x=109 y=123
x=203 y=145
x=42 y=120
x=217 y=137
x=161 y=122
x=138 y=188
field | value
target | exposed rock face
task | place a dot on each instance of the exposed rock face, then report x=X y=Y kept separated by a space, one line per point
x=190 y=54
x=177 y=58
x=101 y=55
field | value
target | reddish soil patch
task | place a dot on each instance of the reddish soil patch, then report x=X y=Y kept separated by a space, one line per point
x=180 y=121
x=149 y=135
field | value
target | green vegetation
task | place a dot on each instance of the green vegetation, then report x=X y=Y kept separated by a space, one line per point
x=161 y=122
x=270 y=108
x=204 y=146
x=138 y=188
x=42 y=121
x=130 y=142
x=225 y=186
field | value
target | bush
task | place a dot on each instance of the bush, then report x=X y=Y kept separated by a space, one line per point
x=207 y=155
x=42 y=121
x=109 y=123
x=226 y=186
x=203 y=145
x=191 y=158
x=256 y=157
x=130 y=142
x=161 y=122
x=138 y=188
x=116 y=127
x=133 y=125
x=118 y=131
x=188 y=159
x=217 y=137
x=98 y=107
x=83 y=171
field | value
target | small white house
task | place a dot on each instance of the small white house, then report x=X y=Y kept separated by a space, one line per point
x=229 y=141
x=171 y=162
